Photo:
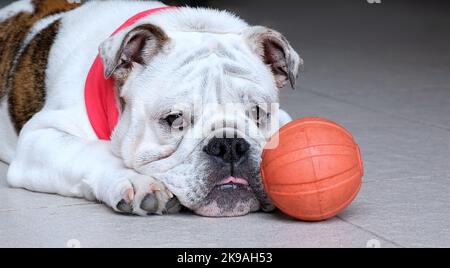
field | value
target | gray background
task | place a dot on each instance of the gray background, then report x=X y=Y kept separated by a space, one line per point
x=382 y=70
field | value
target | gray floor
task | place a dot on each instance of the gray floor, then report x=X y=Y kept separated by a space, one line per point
x=381 y=70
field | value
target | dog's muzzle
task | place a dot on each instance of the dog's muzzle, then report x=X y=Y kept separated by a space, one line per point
x=230 y=182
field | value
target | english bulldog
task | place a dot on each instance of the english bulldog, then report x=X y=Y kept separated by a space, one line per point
x=143 y=107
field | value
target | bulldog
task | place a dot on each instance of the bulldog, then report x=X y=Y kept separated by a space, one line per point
x=142 y=107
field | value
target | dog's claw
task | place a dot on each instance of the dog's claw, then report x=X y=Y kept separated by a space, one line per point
x=125 y=207
x=142 y=195
x=150 y=203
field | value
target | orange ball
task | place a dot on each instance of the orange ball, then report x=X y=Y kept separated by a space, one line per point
x=316 y=170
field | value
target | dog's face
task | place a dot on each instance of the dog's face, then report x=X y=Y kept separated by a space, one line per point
x=197 y=108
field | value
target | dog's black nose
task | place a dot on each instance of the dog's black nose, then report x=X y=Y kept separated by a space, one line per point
x=228 y=150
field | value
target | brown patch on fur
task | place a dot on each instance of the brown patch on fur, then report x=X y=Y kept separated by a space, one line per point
x=49 y=7
x=27 y=89
x=14 y=30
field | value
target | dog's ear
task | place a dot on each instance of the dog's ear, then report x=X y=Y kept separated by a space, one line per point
x=137 y=46
x=276 y=52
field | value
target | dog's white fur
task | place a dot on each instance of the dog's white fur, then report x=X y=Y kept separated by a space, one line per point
x=58 y=152
x=8 y=136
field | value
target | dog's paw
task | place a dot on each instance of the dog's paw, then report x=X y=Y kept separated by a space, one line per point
x=143 y=195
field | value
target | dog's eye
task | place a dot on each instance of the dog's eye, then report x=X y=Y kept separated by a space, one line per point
x=176 y=121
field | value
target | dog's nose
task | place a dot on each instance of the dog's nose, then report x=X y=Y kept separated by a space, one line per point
x=228 y=150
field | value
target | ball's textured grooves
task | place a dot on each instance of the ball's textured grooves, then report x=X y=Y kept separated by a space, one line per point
x=316 y=170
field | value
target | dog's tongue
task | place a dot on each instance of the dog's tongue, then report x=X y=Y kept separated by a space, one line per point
x=233 y=180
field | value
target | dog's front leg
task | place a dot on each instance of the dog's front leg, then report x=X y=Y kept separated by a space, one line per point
x=51 y=161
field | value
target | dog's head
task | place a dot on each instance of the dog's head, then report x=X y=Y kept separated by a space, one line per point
x=197 y=106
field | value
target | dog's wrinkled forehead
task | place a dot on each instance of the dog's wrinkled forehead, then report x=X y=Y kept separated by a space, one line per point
x=218 y=68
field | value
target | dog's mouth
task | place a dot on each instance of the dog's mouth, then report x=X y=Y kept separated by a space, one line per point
x=230 y=197
x=233 y=183
x=231 y=189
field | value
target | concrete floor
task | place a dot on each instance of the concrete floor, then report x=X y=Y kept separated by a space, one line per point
x=381 y=70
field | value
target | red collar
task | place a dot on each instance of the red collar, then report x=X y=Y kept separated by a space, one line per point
x=100 y=93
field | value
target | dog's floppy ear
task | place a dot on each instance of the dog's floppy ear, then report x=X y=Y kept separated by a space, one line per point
x=121 y=51
x=276 y=52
